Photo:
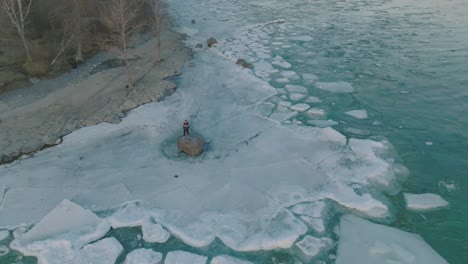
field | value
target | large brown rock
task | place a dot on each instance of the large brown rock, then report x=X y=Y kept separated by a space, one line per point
x=191 y=145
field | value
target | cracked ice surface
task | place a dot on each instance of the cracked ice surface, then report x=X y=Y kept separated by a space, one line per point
x=238 y=191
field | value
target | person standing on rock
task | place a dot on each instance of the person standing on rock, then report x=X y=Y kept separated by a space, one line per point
x=186 y=128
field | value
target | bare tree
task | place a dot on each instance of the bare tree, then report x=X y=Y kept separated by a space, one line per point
x=155 y=23
x=17 y=12
x=66 y=19
x=121 y=18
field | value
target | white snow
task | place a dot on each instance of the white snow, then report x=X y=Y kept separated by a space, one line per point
x=312 y=246
x=4 y=234
x=335 y=87
x=424 y=202
x=224 y=259
x=296 y=96
x=183 y=257
x=300 y=107
x=104 y=251
x=359 y=114
x=361 y=241
x=296 y=88
x=143 y=256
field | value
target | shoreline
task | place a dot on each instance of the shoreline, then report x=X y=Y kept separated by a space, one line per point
x=38 y=117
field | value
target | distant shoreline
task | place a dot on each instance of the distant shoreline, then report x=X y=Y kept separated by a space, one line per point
x=37 y=117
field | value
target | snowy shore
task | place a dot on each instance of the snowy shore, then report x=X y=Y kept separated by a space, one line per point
x=36 y=117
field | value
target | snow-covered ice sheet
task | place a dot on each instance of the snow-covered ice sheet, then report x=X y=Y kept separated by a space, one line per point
x=225 y=259
x=183 y=257
x=238 y=191
x=424 y=201
x=143 y=256
x=361 y=241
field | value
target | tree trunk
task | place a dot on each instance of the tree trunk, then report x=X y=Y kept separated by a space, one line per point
x=26 y=49
x=127 y=69
x=79 y=52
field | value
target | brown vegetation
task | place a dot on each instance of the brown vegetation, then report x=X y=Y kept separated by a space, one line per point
x=43 y=37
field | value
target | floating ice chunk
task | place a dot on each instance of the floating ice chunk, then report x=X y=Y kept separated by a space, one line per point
x=290 y=74
x=296 y=88
x=297 y=96
x=4 y=250
x=364 y=242
x=104 y=251
x=279 y=61
x=358 y=131
x=312 y=99
x=143 y=256
x=309 y=78
x=405 y=92
x=4 y=234
x=312 y=246
x=132 y=215
x=282 y=80
x=316 y=224
x=335 y=87
x=359 y=114
x=263 y=69
x=300 y=107
x=424 y=202
x=428 y=143
x=183 y=257
x=224 y=259
x=316 y=113
x=285 y=103
x=154 y=233
x=322 y=123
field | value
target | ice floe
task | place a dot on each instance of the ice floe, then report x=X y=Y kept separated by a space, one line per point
x=4 y=250
x=104 y=251
x=316 y=113
x=312 y=99
x=335 y=87
x=424 y=202
x=300 y=107
x=322 y=123
x=143 y=256
x=361 y=241
x=296 y=89
x=359 y=114
x=225 y=259
x=312 y=246
x=183 y=257
x=297 y=96
x=4 y=234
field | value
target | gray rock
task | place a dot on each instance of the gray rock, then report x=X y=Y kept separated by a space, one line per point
x=211 y=41
x=193 y=21
x=199 y=46
x=240 y=61
x=191 y=145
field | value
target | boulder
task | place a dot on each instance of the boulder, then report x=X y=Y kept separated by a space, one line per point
x=211 y=42
x=247 y=65
x=193 y=21
x=240 y=61
x=191 y=145
x=199 y=46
